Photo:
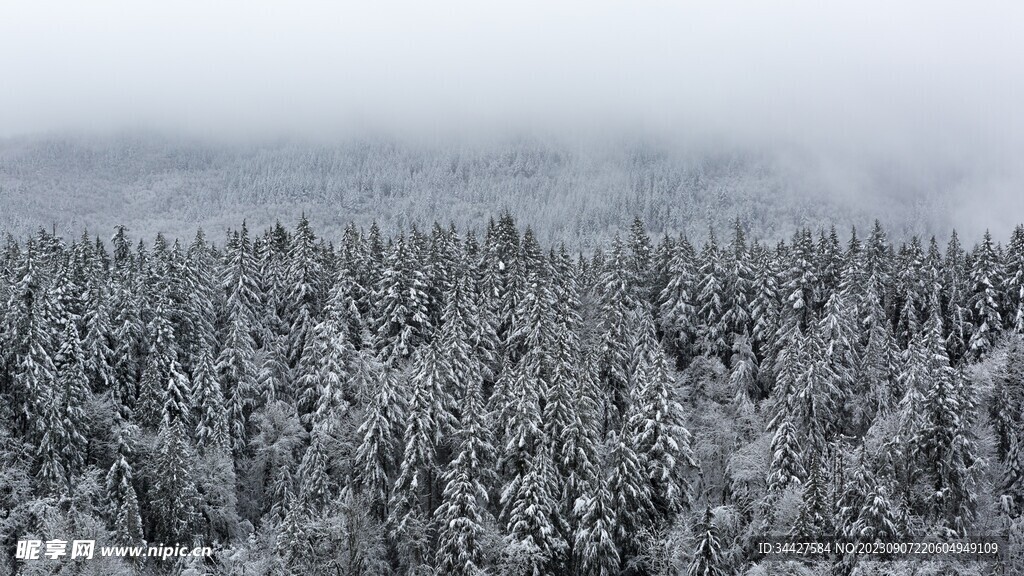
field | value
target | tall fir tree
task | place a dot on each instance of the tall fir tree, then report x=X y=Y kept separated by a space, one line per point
x=986 y=279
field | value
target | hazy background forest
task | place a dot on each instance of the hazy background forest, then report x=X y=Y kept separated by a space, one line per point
x=572 y=192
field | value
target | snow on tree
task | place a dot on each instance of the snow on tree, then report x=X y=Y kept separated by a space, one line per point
x=655 y=425
x=30 y=339
x=986 y=278
x=876 y=376
x=710 y=302
x=815 y=519
x=173 y=495
x=237 y=370
x=327 y=366
x=460 y=517
x=617 y=307
x=677 y=311
x=911 y=292
x=1014 y=280
x=743 y=374
x=208 y=399
x=401 y=317
x=630 y=486
x=199 y=286
x=164 y=387
x=786 y=468
x=596 y=553
x=128 y=334
x=764 y=308
x=379 y=436
x=123 y=503
x=878 y=520
x=70 y=394
x=304 y=280
x=707 y=554
x=642 y=256
x=96 y=343
x=315 y=483
x=956 y=295
x=739 y=293
x=528 y=514
x=519 y=442
x=448 y=383
x=945 y=442
x=428 y=421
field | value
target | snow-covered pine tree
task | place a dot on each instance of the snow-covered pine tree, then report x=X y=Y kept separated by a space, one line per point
x=878 y=264
x=428 y=421
x=575 y=447
x=878 y=520
x=30 y=341
x=380 y=436
x=163 y=388
x=531 y=330
x=839 y=336
x=1007 y=413
x=630 y=486
x=199 y=286
x=710 y=300
x=173 y=495
x=327 y=366
x=660 y=273
x=677 y=310
x=829 y=264
x=876 y=376
x=820 y=398
x=461 y=515
x=96 y=343
x=786 y=468
x=561 y=420
x=956 y=292
x=986 y=280
x=945 y=442
x=743 y=375
x=123 y=503
x=208 y=399
x=128 y=334
x=236 y=367
x=518 y=412
x=71 y=394
x=815 y=519
x=707 y=553
x=617 y=308
x=789 y=363
x=401 y=316
x=738 y=289
x=1014 y=281
x=801 y=282
x=304 y=280
x=595 y=552
x=528 y=517
x=655 y=426
x=444 y=262
x=500 y=265
x=910 y=291
x=315 y=484
x=764 y=308
x=641 y=261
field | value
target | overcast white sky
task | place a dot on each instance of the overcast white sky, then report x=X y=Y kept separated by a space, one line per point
x=928 y=81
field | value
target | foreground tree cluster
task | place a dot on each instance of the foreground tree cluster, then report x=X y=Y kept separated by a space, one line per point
x=439 y=403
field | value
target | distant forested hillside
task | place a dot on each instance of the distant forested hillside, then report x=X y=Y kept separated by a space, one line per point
x=580 y=195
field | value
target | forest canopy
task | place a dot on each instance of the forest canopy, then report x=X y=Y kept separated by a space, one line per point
x=431 y=400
